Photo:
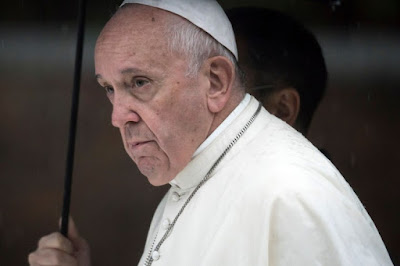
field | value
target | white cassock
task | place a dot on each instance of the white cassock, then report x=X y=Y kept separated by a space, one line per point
x=273 y=200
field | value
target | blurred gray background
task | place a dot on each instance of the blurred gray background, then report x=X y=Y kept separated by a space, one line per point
x=358 y=122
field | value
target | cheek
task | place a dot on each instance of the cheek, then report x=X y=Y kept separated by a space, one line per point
x=182 y=131
x=179 y=120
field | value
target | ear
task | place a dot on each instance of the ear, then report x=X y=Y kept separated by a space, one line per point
x=221 y=74
x=284 y=104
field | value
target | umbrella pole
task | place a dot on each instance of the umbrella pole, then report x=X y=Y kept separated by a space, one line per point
x=73 y=118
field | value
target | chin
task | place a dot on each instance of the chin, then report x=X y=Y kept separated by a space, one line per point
x=155 y=173
x=157 y=181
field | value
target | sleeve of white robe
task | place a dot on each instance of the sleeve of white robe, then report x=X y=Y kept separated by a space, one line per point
x=320 y=227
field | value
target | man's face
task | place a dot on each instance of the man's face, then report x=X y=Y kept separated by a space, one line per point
x=161 y=113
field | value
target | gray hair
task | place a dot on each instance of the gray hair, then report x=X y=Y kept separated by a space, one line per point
x=185 y=38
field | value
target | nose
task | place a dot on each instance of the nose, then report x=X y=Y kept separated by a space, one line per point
x=123 y=111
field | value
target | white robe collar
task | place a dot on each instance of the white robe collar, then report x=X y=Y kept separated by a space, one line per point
x=224 y=124
x=214 y=145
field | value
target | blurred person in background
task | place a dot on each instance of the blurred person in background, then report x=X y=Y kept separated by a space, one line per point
x=283 y=63
x=246 y=188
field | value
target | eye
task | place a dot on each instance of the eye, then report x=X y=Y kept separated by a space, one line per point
x=140 y=82
x=109 y=90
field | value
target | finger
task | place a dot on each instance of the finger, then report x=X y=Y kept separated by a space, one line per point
x=31 y=262
x=73 y=232
x=79 y=243
x=56 y=241
x=32 y=259
x=82 y=249
x=72 y=228
x=51 y=257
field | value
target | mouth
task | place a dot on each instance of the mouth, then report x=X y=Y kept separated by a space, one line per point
x=137 y=144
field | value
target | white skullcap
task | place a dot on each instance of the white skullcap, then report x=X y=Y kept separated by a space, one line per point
x=205 y=14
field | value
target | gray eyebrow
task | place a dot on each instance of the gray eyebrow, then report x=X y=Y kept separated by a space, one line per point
x=129 y=70
x=123 y=71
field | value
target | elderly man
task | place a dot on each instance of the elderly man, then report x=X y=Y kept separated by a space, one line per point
x=246 y=188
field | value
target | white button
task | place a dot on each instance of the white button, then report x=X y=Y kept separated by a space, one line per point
x=155 y=255
x=165 y=224
x=175 y=196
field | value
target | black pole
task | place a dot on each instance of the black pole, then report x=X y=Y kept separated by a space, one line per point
x=73 y=119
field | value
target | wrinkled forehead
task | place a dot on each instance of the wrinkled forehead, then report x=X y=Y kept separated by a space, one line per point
x=134 y=37
x=138 y=21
